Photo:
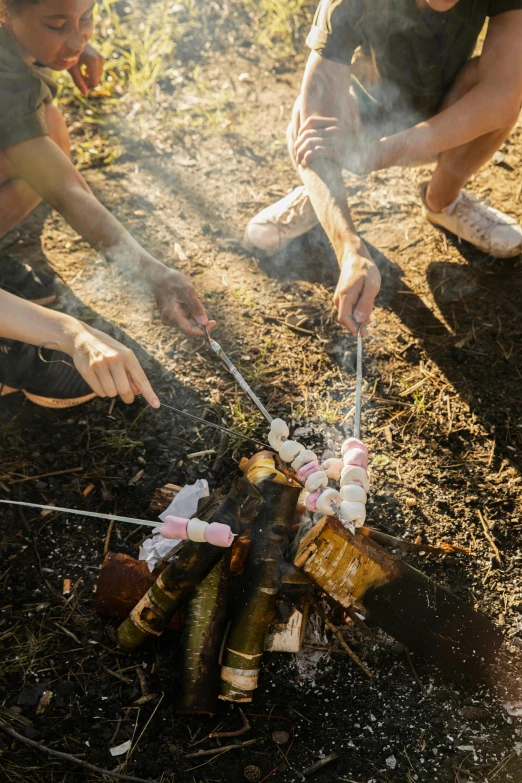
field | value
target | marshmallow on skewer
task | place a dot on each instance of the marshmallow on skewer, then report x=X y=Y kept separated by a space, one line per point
x=315 y=480
x=352 y=443
x=332 y=467
x=353 y=492
x=289 y=450
x=302 y=459
x=311 y=500
x=353 y=512
x=197 y=530
x=279 y=432
x=356 y=457
x=328 y=501
x=353 y=474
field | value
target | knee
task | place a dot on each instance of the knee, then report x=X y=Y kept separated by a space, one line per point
x=57 y=128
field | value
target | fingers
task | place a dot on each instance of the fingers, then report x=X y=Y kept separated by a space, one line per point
x=139 y=381
x=311 y=144
x=78 y=79
x=94 y=70
x=318 y=122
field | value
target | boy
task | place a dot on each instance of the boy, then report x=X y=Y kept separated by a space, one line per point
x=391 y=82
x=37 y=37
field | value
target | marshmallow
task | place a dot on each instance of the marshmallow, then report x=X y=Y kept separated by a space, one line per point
x=289 y=450
x=356 y=457
x=353 y=492
x=311 y=500
x=306 y=470
x=275 y=440
x=305 y=456
x=328 y=499
x=353 y=512
x=174 y=527
x=353 y=474
x=332 y=467
x=352 y=443
x=315 y=480
x=196 y=529
x=279 y=427
x=219 y=534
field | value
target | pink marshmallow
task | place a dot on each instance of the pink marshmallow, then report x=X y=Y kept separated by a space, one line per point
x=352 y=443
x=311 y=501
x=306 y=470
x=175 y=527
x=219 y=534
x=356 y=457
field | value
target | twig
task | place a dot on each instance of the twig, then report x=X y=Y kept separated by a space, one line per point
x=117 y=675
x=222 y=749
x=355 y=658
x=298 y=329
x=414 y=672
x=319 y=764
x=68 y=757
x=489 y=536
x=399 y=543
x=108 y=536
x=45 y=475
x=243 y=730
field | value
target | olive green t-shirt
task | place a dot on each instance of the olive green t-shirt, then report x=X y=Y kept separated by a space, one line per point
x=24 y=91
x=417 y=52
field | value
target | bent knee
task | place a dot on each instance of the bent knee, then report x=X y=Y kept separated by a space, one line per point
x=57 y=128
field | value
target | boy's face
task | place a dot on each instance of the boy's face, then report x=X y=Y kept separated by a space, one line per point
x=53 y=32
x=441 y=5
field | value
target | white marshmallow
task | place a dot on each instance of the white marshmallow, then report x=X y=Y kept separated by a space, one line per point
x=196 y=529
x=305 y=456
x=276 y=441
x=353 y=492
x=352 y=474
x=327 y=499
x=353 y=512
x=289 y=450
x=332 y=467
x=316 y=480
x=279 y=427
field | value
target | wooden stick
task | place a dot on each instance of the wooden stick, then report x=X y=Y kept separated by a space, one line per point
x=489 y=536
x=68 y=757
x=45 y=475
x=222 y=749
x=338 y=635
x=238 y=732
x=108 y=537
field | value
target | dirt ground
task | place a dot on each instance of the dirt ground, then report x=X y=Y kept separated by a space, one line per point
x=441 y=418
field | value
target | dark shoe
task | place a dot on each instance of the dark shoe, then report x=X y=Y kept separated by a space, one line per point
x=51 y=381
x=21 y=280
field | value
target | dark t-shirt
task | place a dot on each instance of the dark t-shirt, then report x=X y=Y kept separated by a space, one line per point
x=417 y=52
x=25 y=89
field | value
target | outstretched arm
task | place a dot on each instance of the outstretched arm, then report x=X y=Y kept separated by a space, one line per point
x=324 y=94
x=493 y=103
x=47 y=170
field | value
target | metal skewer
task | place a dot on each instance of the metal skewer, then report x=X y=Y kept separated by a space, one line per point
x=216 y=426
x=84 y=513
x=358 y=386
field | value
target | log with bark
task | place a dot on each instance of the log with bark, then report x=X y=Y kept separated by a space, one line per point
x=190 y=565
x=426 y=618
x=254 y=607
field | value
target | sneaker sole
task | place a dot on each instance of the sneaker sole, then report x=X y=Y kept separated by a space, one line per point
x=54 y=402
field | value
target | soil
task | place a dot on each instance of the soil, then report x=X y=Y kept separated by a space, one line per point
x=441 y=418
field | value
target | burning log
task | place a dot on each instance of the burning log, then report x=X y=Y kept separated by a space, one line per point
x=426 y=618
x=190 y=565
x=204 y=626
x=254 y=609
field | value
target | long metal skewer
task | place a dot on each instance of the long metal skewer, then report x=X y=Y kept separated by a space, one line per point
x=358 y=386
x=84 y=513
x=216 y=426
x=218 y=350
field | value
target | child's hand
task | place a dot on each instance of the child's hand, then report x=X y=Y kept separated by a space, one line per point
x=87 y=72
x=178 y=302
x=109 y=367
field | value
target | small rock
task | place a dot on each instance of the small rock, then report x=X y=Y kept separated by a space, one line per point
x=280 y=737
x=474 y=713
x=32 y=733
x=30 y=696
x=252 y=773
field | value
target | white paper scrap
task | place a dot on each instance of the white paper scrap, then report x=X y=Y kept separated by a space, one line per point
x=119 y=750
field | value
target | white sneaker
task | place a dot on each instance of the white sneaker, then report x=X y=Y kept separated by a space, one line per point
x=275 y=226
x=488 y=229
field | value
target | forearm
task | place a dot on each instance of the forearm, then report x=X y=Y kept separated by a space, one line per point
x=325 y=186
x=482 y=110
x=30 y=323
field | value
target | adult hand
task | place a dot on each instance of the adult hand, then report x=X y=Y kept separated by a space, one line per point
x=325 y=137
x=359 y=284
x=110 y=368
x=178 y=302
x=87 y=72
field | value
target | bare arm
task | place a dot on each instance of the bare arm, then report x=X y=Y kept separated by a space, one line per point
x=48 y=171
x=324 y=93
x=109 y=367
x=493 y=103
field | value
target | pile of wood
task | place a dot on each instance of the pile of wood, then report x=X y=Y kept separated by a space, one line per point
x=225 y=599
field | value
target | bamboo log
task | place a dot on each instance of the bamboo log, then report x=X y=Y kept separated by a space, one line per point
x=204 y=626
x=190 y=565
x=254 y=609
x=426 y=618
